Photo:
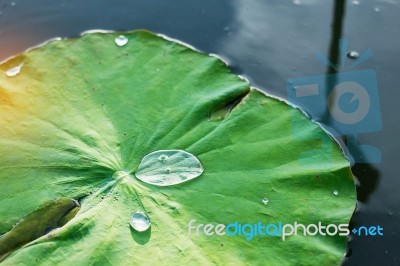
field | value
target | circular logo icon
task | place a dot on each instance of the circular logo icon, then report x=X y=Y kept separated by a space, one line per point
x=359 y=93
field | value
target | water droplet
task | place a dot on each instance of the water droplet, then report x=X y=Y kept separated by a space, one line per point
x=355 y=3
x=163 y=158
x=352 y=55
x=14 y=71
x=139 y=221
x=335 y=192
x=377 y=9
x=296 y=2
x=13 y=4
x=121 y=40
x=183 y=166
x=265 y=201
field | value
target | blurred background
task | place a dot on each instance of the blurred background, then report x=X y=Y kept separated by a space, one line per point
x=269 y=42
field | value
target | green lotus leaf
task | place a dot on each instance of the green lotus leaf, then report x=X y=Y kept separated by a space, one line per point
x=80 y=112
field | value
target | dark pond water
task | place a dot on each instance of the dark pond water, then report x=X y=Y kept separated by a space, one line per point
x=269 y=42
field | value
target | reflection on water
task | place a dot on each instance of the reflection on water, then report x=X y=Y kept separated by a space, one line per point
x=269 y=41
x=29 y=23
x=277 y=41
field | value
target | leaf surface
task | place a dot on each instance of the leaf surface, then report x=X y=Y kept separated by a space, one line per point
x=84 y=109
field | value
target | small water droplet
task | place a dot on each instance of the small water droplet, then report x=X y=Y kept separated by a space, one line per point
x=13 y=4
x=296 y=2
x=121 y=40
x=377 y=9
x=163 y=158
x=335 y=192
x=139 y=221
x=265 y=201
x=168 y=167
x=352 y=55
x=14 y=71
x=356 y=3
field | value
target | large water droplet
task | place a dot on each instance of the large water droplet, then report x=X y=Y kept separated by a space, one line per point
x=121 y=40
x=335 y=192
x=14 y=71
x=168 y=167
x=352 y=55
x=265 y=201
x=139 y=221
x=356 y=2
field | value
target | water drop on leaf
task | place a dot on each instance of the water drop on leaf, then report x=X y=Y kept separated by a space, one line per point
x=168 y=167
x=265 y=201
x=121 y=40
x=14 y=71
x=139 y=221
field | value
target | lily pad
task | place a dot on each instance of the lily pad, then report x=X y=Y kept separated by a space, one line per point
x=80 y=116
